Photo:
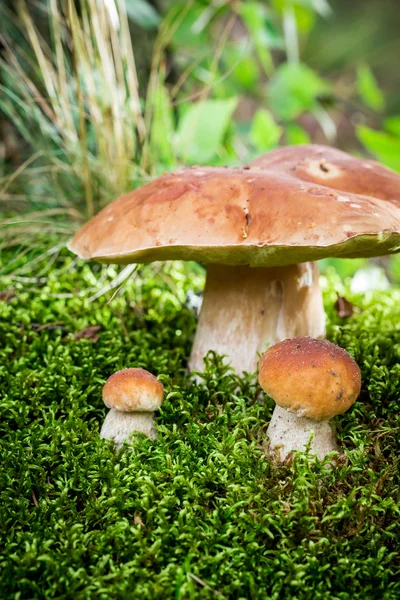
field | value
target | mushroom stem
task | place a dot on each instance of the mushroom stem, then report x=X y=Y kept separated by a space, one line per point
x=119 y=426
x=246 y=309
x=288 y=432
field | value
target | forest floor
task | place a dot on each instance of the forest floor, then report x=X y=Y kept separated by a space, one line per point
x=201 y=512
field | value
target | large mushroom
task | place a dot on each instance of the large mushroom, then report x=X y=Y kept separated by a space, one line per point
x=311 y=382
x=256 y=228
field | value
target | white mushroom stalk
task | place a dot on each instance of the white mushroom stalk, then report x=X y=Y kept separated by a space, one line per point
x=287 y=432
x=311 y=381
x=119 y=426
x=132 y=396
x=245 y=310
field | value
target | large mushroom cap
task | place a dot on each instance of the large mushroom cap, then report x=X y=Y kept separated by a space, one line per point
x=336 y=169
x=292 y=205
x=311 y=378
x=133 y=390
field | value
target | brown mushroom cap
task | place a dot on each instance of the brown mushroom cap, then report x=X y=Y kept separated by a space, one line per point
x=335 y=169
x=292 y=205
x=312 y=378
x=133 y=390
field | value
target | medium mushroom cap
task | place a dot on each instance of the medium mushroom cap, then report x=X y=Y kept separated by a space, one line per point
x=311 y=378
x=133 y=390
x=292 y=205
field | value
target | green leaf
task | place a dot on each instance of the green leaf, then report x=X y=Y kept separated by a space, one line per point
x=264 y=132
x=262 y=29
x=368 y=89
x=189 y=33
x=294 y=89
x=245 y=70
x=263 y=33
x=392 y=125
x=143 y=14
x=202 y=129
x=303 y=11
x=162 y=127
x=296 y=135
x=384 y=146
x=320 y=7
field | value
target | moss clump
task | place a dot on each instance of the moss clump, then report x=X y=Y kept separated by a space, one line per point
x=201 y=512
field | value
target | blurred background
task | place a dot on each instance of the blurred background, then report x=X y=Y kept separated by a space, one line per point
x=99 y=96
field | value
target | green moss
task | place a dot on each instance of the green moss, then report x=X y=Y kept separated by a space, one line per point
x=201 y=511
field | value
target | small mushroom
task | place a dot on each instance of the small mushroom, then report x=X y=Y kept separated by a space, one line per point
x=311 y=381
x=132 y=395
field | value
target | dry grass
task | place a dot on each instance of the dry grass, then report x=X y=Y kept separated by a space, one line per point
x=77 y=103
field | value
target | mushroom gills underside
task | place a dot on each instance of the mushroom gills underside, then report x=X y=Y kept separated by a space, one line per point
x=247 y=309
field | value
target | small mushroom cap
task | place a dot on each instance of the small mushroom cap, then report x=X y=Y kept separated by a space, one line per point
x=292 y=205
x=312 y=378
x=133 y=390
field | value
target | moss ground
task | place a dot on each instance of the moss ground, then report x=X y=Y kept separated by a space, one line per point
x=201 y=512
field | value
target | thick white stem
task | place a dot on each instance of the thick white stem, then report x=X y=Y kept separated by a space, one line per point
x=247 y=309
x=119 y=426
x=288 y=432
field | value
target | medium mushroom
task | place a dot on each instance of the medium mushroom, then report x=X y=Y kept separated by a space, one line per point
x=256 y=228
x=132 y=396
x=311 y=381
